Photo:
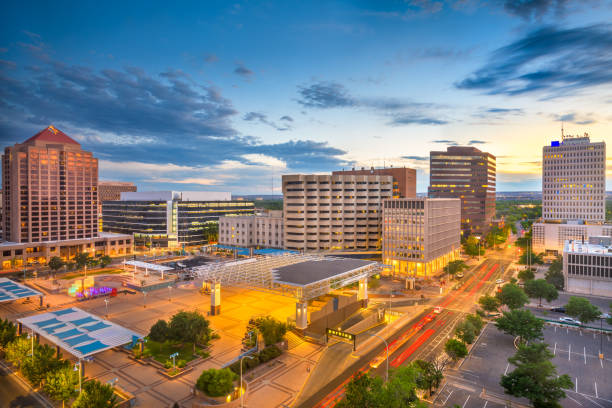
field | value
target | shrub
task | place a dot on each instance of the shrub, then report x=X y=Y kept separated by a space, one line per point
x=181 y=363
x=8 y=332
x=96 y=395
x=269 y=353
x=476 y=321
x=271 y=329
x=216 y=383
x=168 y=364
x=159 y=331
x=17 y=350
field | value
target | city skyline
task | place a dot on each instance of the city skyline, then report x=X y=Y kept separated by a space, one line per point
x=228 y=97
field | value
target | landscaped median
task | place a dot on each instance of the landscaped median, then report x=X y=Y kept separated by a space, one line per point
x=174 y=347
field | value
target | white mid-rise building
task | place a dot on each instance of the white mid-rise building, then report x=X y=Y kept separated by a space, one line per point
x=550 y=237
x=574 y=180
x=420 y=235
x=587 y=267
x=263 y=230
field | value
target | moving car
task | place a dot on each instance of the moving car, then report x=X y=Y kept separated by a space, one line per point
x=558 y=309
x=499 y=281
x=569 y=320
x=437 y=310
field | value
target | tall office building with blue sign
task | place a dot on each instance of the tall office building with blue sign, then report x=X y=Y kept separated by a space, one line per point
x=574 y=180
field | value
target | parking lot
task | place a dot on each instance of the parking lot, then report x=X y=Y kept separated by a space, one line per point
x=576 y=353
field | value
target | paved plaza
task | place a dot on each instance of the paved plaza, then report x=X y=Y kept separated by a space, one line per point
x=272 y=385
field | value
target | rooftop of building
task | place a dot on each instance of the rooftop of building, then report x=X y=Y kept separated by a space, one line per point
x=51 y=135
x=462 y=150
x=101 y=235
x=169 y=195
x=591 y=247
x=309 y=272
x=115 y=183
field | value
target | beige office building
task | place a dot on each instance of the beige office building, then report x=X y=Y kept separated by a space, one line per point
x=420 y=235
x=111 y=190
x=574 y=180
x=334 y=212
x=587 y=266
x=264 y=230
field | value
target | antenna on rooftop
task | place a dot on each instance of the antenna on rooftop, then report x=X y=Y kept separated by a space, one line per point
x=562 y=135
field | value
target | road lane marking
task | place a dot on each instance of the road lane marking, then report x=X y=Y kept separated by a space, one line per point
x=555 y=350
x=601 y=361
x=584 y=349
x=507 y=366
x=569 y=353
x=449 y=395
x=468 y=398
x=574 y=400
x=596 y=394
x=577 y=385
x=485 y=405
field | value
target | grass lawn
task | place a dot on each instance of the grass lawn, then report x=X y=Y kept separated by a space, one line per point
x=109 y=271
x=161 y=351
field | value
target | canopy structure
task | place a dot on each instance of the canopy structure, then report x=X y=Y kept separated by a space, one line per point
x=78 y=332
x=149 y=267
x=10 y=290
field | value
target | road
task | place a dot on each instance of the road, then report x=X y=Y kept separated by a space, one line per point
x=15 y=394
x=425 y=339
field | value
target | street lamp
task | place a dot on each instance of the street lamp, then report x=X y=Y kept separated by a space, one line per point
x=77 y=367
x=106 y=302
x=169 y=293
x=31 y=336
x=241 y=390
x=387 y=350
x=173 y=357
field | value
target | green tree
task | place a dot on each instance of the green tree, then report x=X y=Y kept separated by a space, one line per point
x=455 y=349
x=526 y=275
x=512 y=296
x=61 y=384
x=18 y=350
x=554 y=275
x=81 y=259
x=271 y=329
x=190 y=326
x=430 y=375
x=8 y=332
x=539 y=288
x=454 y=267
x=216 y=383
x=521 y=323
x=489 y=303
x=466 y=332
x=105 y=260
x=471 y=247
x=533 y=259
x=159 y=331
x=582 y=309
x=44 y=361
x=362 y=391
x=535 y=377
x=55 y=263
x=475 y=321
x=96 y=395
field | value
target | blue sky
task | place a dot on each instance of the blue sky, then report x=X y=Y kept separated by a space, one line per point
x=228 y=96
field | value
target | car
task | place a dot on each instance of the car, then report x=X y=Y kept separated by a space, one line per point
x=437 y=310
x=460 y=275
x=558 y=309
x=493 y=314
x=499 y=281
x=429 y=317
x=569 y=320
x=604 y=316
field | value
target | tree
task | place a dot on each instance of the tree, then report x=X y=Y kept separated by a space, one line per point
x=430 y=375
x=271 y=329
x=362 y=391
x=539 y=289
x=190 y=326
x=8 y=332
x=532 y=259
x=216 y=383
x=454 y=267
x=489 y=303
x=466 y=332
x=61 y=384
x=521 y=323
x=44 y=361
x=105 y=260
x=159 y=331
x=526 y=275
x=535 y=377
x=55 y=263
x=475 y=321
x=94 y=394
x=512 y=296
x=455 y=349
x=554 y=275
x=582 y=309
x=471 y=247
x=18 y=350
x=81 y=259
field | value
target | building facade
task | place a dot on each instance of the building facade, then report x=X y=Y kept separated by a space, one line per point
x=49 y=189
x=587 y=267
x=404 y=179
x=169 y=219
x=111 y=190
x=334 y=212
x=470 y=175
x=574 y=180
x=261 y=230
x=550 y=237
x=420 y=235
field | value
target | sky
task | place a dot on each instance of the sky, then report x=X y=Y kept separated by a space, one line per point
x=228 y=96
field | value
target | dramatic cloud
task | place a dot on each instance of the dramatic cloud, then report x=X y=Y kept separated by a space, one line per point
x=515 y=111
x=447 y=142
x=575 y=118
x=417 y=158
x=262 y=118
x=409 y=119
x=475 y=142
x=243 y=71
x=551 y=61
x=325 y=95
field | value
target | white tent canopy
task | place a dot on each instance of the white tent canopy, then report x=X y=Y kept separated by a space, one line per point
x=149 y=266
x=11 y=290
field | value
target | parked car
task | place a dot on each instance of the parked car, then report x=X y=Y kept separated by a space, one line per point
x=604 y=316
x=499 y=281
x=437 y=310
x=558 y=309
x=569 y=320
x=460 y=275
